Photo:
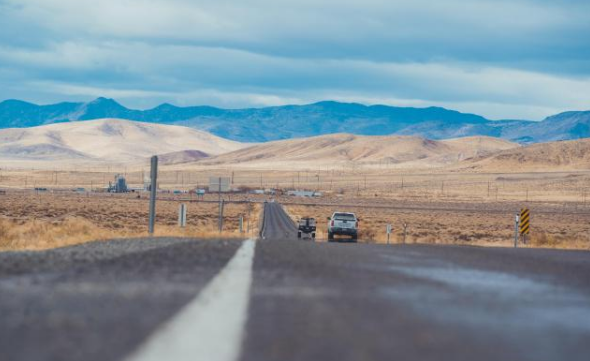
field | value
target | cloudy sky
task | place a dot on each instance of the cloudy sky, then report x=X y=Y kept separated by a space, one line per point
x=510 y=59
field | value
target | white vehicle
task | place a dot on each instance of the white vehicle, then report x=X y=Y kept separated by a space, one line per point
x=343 y=224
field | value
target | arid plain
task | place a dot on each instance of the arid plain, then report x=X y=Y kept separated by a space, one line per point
x=437 y=206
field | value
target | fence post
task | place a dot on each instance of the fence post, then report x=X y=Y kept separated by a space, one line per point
x=405 y=232
x=221 y=206
x=153 y=188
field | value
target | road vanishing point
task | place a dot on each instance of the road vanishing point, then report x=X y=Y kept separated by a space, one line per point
x=277 y=298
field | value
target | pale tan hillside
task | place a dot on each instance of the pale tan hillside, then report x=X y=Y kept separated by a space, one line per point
x=104 y=140
x=343 y=148
x=554 y=156
x=470 y=147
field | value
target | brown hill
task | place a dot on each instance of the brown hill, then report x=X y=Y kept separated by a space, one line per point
x=344 y=148
x=554 y=156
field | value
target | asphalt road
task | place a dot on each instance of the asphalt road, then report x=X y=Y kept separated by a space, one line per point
x=277 y=224
x=286 y=299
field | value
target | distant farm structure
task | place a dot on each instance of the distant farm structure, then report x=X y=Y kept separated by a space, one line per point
x=119 y=186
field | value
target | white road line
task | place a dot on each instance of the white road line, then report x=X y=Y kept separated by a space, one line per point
x=211 y=327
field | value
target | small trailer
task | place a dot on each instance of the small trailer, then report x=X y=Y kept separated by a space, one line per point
x=306 y=228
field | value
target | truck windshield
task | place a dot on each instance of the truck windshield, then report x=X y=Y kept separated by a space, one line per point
x=344 y=217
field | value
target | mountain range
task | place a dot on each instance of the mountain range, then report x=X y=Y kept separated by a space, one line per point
x=104 y=143
x=298 y=121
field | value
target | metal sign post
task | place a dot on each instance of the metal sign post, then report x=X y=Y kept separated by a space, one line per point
x=220 y=184
x=388 y=232
x=182 y=216
x=153 y=188
x=516 y=222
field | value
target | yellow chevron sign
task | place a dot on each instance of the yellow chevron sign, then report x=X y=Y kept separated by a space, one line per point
x=525 y=218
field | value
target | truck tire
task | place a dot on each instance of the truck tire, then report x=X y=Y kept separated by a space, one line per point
x=313 y=235
x=299 y=234
x=330 y=236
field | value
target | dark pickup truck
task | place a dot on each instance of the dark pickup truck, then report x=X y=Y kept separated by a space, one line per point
x=306 y=227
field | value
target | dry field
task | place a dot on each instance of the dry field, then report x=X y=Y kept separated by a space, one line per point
x=46 y=220
x=346 y=182
x=438 y=206
x=486 y=225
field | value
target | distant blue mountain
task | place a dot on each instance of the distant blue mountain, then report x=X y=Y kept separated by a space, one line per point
x=294 y=121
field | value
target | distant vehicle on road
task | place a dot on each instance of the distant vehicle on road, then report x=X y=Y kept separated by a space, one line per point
x=343 y=224
x=306 y=227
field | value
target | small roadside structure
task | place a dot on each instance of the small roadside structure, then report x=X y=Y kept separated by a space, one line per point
x=304 y=193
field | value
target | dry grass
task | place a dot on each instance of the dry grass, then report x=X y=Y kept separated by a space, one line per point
x=559 y=202
x=38 y=235
x=31 y=222
x=453 y=227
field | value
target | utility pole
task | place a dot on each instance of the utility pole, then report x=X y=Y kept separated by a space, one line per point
x=220 y=220
x=249 y=213
x=153 y=188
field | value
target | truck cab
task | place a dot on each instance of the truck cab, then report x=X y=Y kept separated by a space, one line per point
x=343 y=224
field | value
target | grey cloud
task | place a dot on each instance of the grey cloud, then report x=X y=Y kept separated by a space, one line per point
x=521 y=56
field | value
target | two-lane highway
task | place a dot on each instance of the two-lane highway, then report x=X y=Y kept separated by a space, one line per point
x=277 y=223
x=281 y=298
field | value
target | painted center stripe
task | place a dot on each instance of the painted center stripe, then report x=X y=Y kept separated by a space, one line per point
x=210 y=327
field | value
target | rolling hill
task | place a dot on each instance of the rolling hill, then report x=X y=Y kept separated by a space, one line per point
x=553 y=156
x=334 y=149
x=104 y=141
x=299 y=121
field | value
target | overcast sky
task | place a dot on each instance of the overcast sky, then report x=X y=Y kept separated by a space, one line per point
x=511 y=59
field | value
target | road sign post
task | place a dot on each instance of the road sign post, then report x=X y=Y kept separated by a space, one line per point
x=153 y=188
x=182 y=216
x=220 y=184
x=388 y=232
x=525 y=226
x=516 y=221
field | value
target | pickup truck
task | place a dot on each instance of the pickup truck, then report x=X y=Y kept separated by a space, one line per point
x=343 y=224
